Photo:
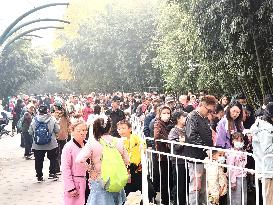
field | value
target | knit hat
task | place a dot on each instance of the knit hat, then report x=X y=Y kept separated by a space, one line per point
x=268 y=112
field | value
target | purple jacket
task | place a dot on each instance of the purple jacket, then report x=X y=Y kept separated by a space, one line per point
x=223 y=137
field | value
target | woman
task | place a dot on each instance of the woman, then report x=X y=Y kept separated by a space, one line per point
x=224 y=101
x=93 y=150
x=16 y=116
x=162 y=128
x=178 y=165
x=87 y=111
x=64 y=122
x=74 y=175
x=231 y=123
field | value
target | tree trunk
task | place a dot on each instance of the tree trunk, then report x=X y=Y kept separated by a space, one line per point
x=262 y=76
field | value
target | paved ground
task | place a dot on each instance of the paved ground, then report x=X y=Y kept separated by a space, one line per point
x=18 y=184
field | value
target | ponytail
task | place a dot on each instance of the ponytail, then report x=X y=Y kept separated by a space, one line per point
x=101 y=126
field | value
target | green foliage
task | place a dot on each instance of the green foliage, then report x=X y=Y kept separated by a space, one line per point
x=237 y=40
x=111 y=50
x=19 y=63
x=221 y=46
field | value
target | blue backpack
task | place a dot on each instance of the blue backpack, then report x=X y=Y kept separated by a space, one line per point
x=42 y=135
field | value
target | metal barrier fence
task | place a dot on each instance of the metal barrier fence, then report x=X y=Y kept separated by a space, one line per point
x=152 y=162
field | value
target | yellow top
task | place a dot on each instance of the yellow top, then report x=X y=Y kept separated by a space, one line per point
x=133 y=147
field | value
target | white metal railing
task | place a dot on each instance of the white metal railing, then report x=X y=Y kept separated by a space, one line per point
x=148 y=167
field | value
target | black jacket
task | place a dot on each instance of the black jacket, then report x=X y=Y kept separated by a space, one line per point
x=198 y=132
x=115 y=117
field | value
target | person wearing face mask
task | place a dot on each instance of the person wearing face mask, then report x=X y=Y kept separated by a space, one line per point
x=229 y=124
x=216 y=178
x=162 y=127
x=237 y=176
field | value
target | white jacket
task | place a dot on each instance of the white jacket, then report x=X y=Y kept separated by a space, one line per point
x=262 y=142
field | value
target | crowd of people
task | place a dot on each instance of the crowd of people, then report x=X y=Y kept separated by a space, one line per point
x=89 y=141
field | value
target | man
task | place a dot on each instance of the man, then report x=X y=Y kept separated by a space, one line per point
x=170 y=102
x=44 y=128
x=142 y=108
x=198 y=132
x=115 y=115
x=184 y=104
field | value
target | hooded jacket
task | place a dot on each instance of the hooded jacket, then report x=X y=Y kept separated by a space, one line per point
x=53 y=127
x=262 y=142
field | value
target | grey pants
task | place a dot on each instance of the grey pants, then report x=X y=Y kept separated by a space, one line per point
x=197 y=185
x=235 y=198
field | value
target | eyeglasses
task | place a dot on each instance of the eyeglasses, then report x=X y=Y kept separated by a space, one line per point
x=210 y=111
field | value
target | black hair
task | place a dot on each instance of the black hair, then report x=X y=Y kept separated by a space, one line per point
x=238 y=120
x=219 y=108
x=97 y=101
x=241 y=96
x=214 y=151
x=99 y=128
x=176 y=116
x=19 y=102
x=97 y=109
x=125 y=122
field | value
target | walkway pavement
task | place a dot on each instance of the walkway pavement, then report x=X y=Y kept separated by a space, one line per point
x=18 y=184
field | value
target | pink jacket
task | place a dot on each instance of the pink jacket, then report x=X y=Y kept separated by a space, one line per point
x=70 y=169
x=93 y=150
x=238 y=160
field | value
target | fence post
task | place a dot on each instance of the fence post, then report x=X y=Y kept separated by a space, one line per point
x=144 y=193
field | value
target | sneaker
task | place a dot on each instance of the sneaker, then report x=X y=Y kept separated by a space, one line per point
x=59 y=173
x=40 y=179
x=53 y=176
x=31 y=157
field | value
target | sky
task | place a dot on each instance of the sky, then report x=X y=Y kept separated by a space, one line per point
x=11 y=9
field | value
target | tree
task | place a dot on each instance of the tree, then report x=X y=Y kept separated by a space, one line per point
x=110 y=51
x=20 y=63
x=237 y=39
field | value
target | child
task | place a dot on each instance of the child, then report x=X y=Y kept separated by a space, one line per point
x=133 y=144
x=237 y=176
x=216 y=178
x=74 y=175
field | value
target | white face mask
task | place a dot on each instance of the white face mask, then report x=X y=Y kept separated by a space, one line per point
x=165 y=117
x=221 y=160
x=238 y=145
